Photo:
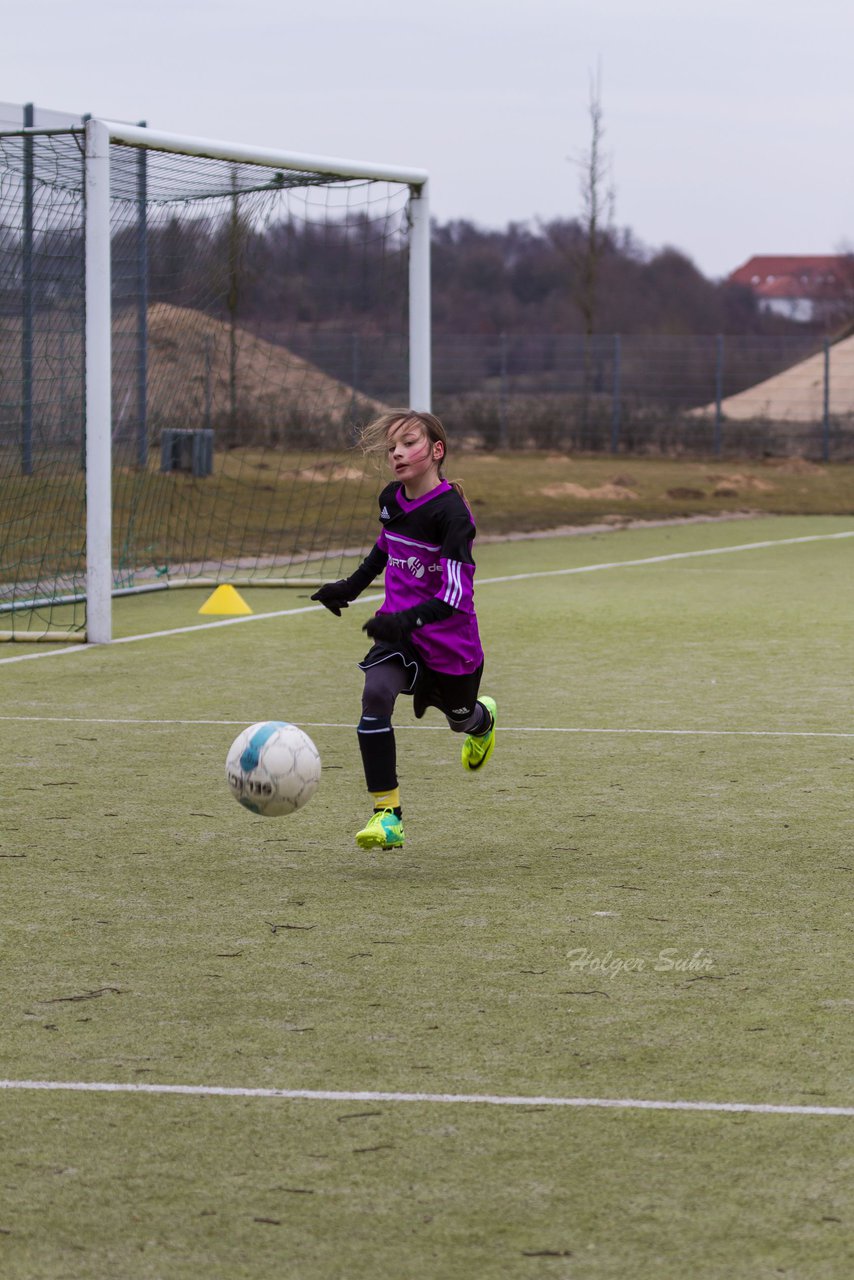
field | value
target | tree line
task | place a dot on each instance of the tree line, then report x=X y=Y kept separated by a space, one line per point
x=522 y=279
x=535 y=279
x=350 y=275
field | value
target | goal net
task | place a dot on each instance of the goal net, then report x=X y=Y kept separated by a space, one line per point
x=191 y=336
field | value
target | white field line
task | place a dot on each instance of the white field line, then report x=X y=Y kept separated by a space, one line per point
x=438 y=728
x=446 y=1099
x=481 y=582
x=672 y=555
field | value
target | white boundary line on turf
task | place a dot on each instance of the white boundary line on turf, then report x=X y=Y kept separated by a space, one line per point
x=481 y=582
x=437 y=728
x=671 y=555
x=376 y=1095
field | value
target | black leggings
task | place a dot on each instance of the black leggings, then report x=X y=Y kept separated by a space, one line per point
x=385 y=681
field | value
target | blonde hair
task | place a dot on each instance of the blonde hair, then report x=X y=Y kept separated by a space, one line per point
x=374 y=437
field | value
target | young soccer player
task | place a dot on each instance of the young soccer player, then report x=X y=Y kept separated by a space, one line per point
x=425 y=635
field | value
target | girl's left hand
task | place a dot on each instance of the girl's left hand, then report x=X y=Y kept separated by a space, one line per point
x=391 y=628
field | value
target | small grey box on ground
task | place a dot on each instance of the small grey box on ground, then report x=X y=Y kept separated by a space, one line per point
x=187 y=449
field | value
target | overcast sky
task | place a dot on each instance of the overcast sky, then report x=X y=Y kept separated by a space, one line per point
x=728 y=125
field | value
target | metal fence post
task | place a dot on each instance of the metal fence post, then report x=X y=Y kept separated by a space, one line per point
x=502 y=395
x=616 y=405
x=355 y=380
x=719 y=392
x=825 y=423
x=208 y=413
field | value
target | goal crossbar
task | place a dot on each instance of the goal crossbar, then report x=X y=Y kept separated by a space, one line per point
x=135 y=136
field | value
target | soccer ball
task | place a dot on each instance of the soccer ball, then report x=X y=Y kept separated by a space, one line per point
x=273 y=768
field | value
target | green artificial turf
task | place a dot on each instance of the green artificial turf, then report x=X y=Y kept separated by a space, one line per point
x=645 y=896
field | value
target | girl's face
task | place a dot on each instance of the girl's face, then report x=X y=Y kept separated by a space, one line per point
x=414 y=458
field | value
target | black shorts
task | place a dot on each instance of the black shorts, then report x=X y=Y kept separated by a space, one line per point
x=454 y=696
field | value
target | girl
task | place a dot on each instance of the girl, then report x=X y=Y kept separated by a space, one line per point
x=425 y=635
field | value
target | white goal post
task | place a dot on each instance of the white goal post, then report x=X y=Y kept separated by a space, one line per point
x=98 y=288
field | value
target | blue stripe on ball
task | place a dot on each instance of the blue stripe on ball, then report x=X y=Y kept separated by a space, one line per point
x=252 y=752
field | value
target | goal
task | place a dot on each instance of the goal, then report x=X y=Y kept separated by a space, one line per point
x=191 y=335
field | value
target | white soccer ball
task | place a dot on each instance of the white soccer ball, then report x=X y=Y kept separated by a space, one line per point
x=273 y=768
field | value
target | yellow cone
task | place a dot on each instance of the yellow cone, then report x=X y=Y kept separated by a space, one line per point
x=225 y=599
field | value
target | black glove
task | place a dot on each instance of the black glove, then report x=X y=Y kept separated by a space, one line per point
x=391 y=628
x=396 y=628
x=334 y=596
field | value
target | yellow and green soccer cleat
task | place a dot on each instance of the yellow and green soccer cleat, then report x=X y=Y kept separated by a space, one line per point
x=384 y=831
x=476 y=751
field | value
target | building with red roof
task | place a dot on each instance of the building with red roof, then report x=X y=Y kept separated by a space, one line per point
x=799 y=287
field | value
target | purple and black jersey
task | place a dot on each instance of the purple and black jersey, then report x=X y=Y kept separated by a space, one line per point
x=425 y=546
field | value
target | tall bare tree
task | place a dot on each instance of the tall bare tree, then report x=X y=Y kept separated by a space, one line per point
x=597 y=207
x=595 y=224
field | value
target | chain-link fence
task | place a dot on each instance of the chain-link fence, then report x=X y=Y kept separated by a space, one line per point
x=700 y=394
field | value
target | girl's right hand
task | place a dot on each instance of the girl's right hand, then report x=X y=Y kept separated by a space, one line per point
x=334 y=596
